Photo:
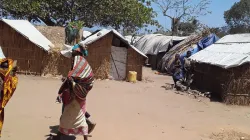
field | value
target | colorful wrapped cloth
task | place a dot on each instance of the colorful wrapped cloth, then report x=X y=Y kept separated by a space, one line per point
x=83 y=77
x=73 y=120
x=8 y=83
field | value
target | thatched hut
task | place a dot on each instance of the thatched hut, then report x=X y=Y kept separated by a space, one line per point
x=111 y=55
x=223 y=69
x=57 y=63
x=155 y=47
x=54 y=33
x=185 y=45
x=21 y=41
x=193 y=43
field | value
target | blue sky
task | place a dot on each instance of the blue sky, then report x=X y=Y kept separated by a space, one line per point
x=215 y=19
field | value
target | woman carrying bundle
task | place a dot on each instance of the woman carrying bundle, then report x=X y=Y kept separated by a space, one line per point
x=73 y=93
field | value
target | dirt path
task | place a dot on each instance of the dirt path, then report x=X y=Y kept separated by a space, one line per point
x=123 y=111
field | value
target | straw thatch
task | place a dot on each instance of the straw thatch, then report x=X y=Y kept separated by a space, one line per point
x=55 y=34
x=56 y=64
x=180 y=48
x=231 y=85
x=238 y=86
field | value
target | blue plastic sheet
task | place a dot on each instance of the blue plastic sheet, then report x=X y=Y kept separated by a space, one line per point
x=207 y=41
x=202 y=44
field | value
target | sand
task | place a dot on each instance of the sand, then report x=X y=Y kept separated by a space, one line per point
x=124 y=111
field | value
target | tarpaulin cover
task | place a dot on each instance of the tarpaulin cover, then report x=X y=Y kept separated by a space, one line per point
x=86 y=34
x=202 y=44
x=230 y=51
x=1 y=53
x=180 y=48
x=153 y=44
x=193 y=44
x=132 y=39
x=207 y=41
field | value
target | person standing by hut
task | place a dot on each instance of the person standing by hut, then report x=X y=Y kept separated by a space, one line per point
x=177 y=72
x=73 y=93
x=187 y=69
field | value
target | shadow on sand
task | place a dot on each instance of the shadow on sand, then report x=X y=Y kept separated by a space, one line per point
x=54 y=130
x=168 y=86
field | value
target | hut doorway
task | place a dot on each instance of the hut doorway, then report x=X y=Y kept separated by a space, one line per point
x=118 y=62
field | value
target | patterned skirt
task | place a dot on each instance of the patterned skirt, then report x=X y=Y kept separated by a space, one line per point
x=73 y=120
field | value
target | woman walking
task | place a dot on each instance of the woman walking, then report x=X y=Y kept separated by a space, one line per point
x=73 y=93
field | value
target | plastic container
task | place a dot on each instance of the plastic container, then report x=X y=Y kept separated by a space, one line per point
x=132 y=76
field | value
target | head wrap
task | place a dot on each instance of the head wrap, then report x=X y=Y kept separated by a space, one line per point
x=78 y=48
x=67 y=50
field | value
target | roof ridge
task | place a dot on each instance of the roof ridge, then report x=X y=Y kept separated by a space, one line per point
x=231 y=42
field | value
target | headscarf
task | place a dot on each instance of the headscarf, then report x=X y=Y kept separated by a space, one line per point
x=67 y=50
x=78 y=48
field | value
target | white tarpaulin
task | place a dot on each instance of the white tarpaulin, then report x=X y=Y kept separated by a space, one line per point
x=1 y=53
x=230 y=51
x=103 y=33
x=86 y=34
x=25 y=28
x=155 y=43
x=236 y=38
x=132 y=39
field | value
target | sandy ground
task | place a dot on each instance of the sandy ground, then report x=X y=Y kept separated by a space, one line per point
x=123 y=111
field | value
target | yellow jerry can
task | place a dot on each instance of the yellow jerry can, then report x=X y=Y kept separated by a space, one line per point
x=132 y=76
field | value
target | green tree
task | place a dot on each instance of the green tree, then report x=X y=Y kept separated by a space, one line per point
x=187 y=28
x=179 y=10
x=219 y=31
x=238 y=17
x=162 y=31
x=127 y=14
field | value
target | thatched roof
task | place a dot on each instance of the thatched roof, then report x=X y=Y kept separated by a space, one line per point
x=54 y=33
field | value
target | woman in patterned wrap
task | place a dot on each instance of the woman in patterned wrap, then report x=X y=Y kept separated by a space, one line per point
x=73 y=93
x=8 y=84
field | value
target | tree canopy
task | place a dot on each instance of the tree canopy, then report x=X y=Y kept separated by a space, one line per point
x=187 y=28
x=127 y=14
x=238 y=17
x=179 y=10
x=219 y=31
